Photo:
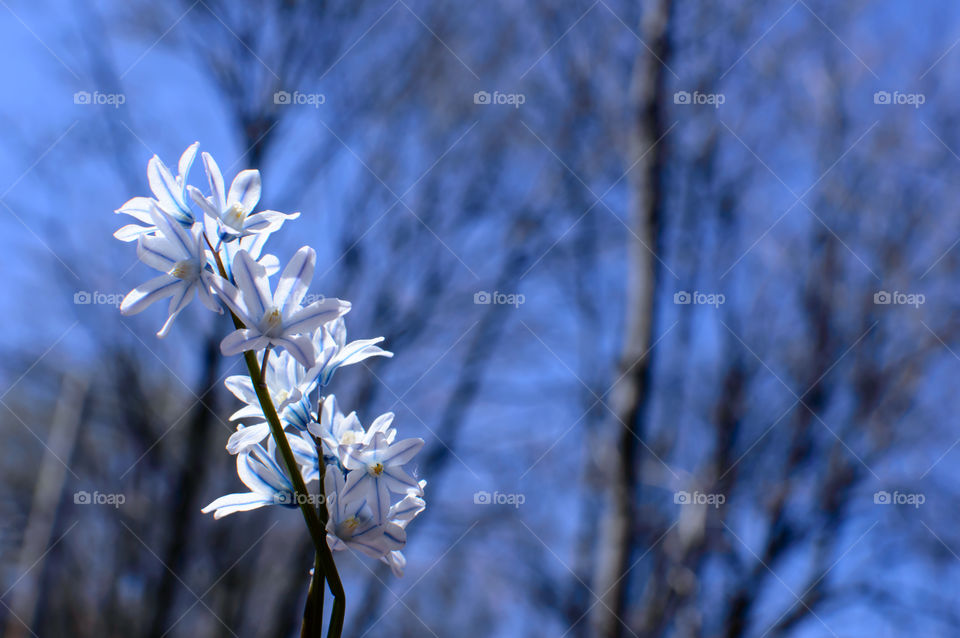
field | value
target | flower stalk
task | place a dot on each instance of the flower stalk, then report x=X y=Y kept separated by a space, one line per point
x=324 y=558
x=302 y=496
x=214 y=252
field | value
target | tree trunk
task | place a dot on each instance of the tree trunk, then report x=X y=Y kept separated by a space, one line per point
x=631 y=393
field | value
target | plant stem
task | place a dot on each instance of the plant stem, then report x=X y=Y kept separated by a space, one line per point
x=301 y=495
x=313 y=610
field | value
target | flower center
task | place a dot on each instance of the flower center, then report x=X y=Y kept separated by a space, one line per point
x=272 y=322
x=235 y=216
x=350 y=438
x=185 y=269
x=376 y=469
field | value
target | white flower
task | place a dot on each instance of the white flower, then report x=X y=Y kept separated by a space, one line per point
x=169 y=194
x=234 y=209
x=336 y=430
x=290 y=389
x=278 y=319
x=219 y=257
x=354 y=524
x=333 y=351
x=290 y=385
x=178 y=253
x=401 y=514
x=267 y=482
x=377 y=469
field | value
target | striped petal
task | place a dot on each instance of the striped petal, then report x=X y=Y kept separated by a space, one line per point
x=178 y=302
x=245 y=437
x=251 y=278
x=399 y=481
x=186 y=161
x=308 y=318
x=204 y=203
x=138 y=207
x=300 y=348
x=131 y=232
x=138 y=299
x=165 y=189
x=216 y=181
x=401 y=452
x=233 y=503
x=295 y=280
x=181 y=241
x=228 y=294
x=245 y=190
x=156 y=252
x=242 y=340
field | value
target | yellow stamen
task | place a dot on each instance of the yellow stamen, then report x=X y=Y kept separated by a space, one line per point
x=186 y=269
x=235 y=216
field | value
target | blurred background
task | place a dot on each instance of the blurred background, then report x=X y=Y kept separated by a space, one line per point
x=670 y=286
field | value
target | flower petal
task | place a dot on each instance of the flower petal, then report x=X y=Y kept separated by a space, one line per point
x=407 y=509
x=401 y=452
x=242 y=340
x=266 y=221
x=138 y=207
x=295 y=280
x=354 y=352
x=166 y=189
x=300 y=348
x=206 y=297
x=233 y=503
x=242 y=387
x=130 y=232
x=216 y=180
x=397 y=479
x=203 y=202
x=245 y=190
x=186 y=161
x=248 y=412
x=228 y=294
x=316 y=314
x=178 y=302
x=251 y=278
x=245 y=437
x=138 y=299
x=179 y=237
x=156 y=252
x=397 y=561
x=358 y=485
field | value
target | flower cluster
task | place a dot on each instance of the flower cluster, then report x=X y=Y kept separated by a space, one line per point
x=211 y=247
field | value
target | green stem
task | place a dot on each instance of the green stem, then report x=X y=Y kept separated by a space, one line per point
x=313 y=610
x=301 y=495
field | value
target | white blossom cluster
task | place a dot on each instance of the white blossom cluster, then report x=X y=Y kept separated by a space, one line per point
x=211 y=247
